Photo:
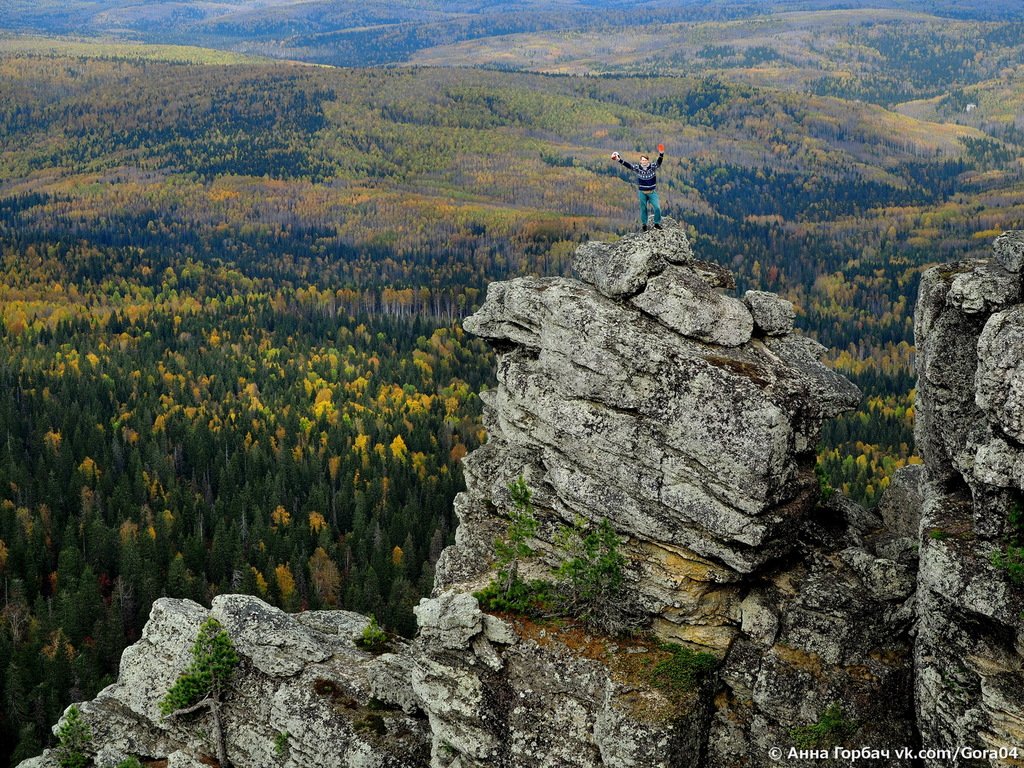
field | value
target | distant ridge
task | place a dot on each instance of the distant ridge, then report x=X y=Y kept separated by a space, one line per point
x=378 y=32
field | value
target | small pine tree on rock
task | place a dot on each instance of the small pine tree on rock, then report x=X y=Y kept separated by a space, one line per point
x=592 y=578
x=373 y=638
x=206 y=681
x=512 y=547
x=74 y=741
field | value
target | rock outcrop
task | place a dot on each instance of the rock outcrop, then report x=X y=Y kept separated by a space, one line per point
x=969 y=332
x=644 y=395
x=507 y=693
x=645 y=399
x=301 y=696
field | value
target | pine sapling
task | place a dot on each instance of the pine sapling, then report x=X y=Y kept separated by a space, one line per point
x=592 y=577
x=74 y=740
x=512 y=546
x=206 y=681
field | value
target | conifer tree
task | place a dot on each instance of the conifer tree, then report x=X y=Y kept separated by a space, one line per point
x=206 y=681
x=522 y=525
x=75 y=740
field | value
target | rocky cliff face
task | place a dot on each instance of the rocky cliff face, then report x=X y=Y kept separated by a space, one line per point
x=970 y=340
x=644 y=395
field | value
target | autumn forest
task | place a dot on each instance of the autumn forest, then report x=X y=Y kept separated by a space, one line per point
x=231 y=356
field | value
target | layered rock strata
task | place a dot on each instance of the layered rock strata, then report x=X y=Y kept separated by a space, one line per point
x=645 y=396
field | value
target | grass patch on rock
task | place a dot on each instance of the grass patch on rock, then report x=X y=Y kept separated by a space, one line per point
x=831 y=730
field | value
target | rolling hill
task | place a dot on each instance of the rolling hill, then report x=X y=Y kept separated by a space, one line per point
x=376 y=32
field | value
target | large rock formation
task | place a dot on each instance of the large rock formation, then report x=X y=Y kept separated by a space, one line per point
x=648 y=399
x=970 y=343
x=644 y=395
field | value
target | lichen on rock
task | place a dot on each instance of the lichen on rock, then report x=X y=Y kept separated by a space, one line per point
x=654 y=409
x=642 y=395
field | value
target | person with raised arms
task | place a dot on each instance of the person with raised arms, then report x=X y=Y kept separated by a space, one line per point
x=647 y=184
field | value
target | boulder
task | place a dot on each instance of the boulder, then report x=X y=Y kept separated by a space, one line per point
x=449 y=621
x=773 y=315
x=986 y=288
x=681 y=300
x=1009 y=250
x=622 y=269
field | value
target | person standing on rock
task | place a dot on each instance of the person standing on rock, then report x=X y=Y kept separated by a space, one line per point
x=647 y=184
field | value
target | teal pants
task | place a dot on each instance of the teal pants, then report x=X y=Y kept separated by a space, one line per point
x=652 y=198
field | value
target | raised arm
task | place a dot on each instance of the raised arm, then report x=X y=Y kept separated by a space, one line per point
x=617 y=157
x=661 y=155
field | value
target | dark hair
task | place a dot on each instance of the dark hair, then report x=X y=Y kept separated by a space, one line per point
x=644 y=157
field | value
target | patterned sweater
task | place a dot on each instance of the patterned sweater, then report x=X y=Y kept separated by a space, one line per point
x=646 y=178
